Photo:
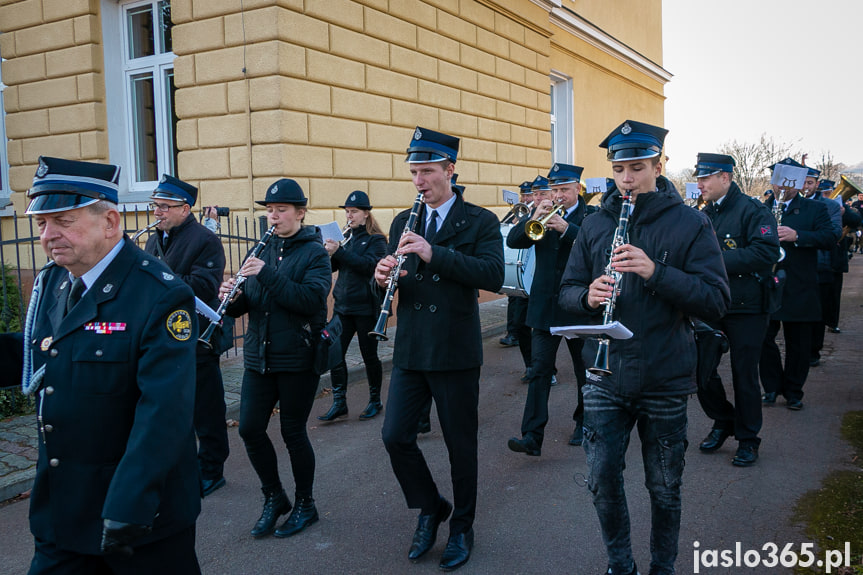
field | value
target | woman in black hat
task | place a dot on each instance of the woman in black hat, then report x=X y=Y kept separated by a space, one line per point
x=355 y=304
x=285 y=295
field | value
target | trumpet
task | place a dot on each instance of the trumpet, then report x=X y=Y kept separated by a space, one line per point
x=600 y=364
x=238 y=281
x=146 y=228
x=516 y=212
x=535 y=229
x=348 y=232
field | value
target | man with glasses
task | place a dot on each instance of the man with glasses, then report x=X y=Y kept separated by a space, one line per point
x=196 y=256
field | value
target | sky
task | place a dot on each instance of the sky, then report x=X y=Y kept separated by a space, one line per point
x=790 y=69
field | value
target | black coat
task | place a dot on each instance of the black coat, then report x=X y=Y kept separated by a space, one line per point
x=690 y=280
x=355 y=262
x=117 y=407
x=438 y=314
x=11 y=358
x=750 y=246
x=800 y=296
x=552 y=253
x=286 y=303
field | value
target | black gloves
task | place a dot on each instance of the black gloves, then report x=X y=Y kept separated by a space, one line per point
x=117 y=537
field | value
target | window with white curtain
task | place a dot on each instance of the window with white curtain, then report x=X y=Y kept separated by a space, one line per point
x=562 y=136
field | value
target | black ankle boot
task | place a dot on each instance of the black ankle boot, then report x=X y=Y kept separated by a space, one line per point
x=276 y=504
x=375 y=377
x=339 y=378
x=338 y=409
x=303 y=515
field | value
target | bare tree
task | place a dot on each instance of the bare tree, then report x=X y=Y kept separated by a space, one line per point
x=830 y=169
x=753 y=160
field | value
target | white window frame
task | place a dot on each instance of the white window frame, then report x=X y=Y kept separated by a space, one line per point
x=562 y=124
x=5 y=190
x=119 y=106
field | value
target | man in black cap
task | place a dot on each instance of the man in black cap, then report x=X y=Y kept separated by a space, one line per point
x=552 y=252
x=804 y=228
x=197 y=257
x=750 y=247
x=111 y=353
x=455 y=250
x=669 y=267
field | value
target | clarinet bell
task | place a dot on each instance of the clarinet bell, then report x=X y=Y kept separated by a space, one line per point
x=600 y=364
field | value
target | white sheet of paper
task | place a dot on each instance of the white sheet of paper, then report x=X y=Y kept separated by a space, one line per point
x=613 y=330
x=789 y=176
x=206 y=310
x=510 y=197
x=594 y=186
x=331 y=231
x=692 y=191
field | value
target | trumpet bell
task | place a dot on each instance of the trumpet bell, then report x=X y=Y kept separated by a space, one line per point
x=535 y=230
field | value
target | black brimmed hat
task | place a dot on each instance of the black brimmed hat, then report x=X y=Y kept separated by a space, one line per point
x=357 y=199
x=171 y=188
x=634 y=141
x=564 y=174
x=61 y=185
x=709 y=164
x=540 y=184
x=430 y=146
x=787 y=162
x=284 y=191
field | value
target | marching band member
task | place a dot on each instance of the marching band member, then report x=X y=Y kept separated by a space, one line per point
x=285 y=294
x=456 y=250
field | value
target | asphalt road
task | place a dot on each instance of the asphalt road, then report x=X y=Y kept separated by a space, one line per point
x=534 y=514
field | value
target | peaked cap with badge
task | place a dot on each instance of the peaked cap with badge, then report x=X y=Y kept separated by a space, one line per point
x=561 y=174
x=826 y=185
x=430 y=146
x=359 y=200
x=526 y=187
x=634 y=141
x=787 y=162
x=61 y=185
x=708 y=164
x=540 y=184
x=284 y=191
x=171 y=188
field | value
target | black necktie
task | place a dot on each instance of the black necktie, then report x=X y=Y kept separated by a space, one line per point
x=431 y=230
x=75 y=293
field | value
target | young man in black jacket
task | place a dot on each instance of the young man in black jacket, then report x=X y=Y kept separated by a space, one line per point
x=670 y=268
x=750 y=247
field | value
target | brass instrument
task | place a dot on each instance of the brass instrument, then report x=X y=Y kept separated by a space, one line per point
x=146 y=228
x=239 y=279
x=348 y=233
x=516 y=212
x=778 y=211
x=600 y=364
x=380 y=330
x=535 y=229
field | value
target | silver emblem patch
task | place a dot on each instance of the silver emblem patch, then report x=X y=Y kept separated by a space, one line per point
x=107 y=288
x=167 y=276
x=418 y=135
x=626 y=129
x=42 y=169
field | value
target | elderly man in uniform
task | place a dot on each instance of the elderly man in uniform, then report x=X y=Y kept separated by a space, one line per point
x=196 y=256
x=670 y=268
x=750 y=247
x=111 y=338
x=805 y=228
x=543 y=312
x=456 y=250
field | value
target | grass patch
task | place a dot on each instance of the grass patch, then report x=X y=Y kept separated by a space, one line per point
x=833 y=514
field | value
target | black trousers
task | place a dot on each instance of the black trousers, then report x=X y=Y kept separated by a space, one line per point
x=545 y=348
x=516 y=324
x=210 y=417
x=825 y=294
x=456 y=395
x=787 y=379
x=173 y=555
x=745 y=334
x=360 y=325
x=831 y=317
x=295 y=394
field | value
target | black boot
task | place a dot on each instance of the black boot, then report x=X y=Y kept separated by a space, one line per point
x=276 y=504
x=375 y=376
x=303 y=515
x=339 y=377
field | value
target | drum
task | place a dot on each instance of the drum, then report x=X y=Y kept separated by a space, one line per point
x=519 y=267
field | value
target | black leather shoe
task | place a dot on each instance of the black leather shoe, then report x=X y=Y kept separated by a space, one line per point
x=424 y=426
x=528 y=375
x=275 y=505
x=746 y=456
x=553 y=380
x=794 y=404
x=304 y=514
x=371 y=410
x=524 y=445
x=834 y=330
x=338 y=409
x=714 y=440
x=457 y=551
x=769 y=398
x=509 y=340
x=577 y=437
x=210 y=485
x=426 y=532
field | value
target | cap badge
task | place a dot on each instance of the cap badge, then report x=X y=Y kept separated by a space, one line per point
x=42 y=170
x=625 y=129
x=418 y=135
x=556 y=168
x=167 y=276
x=353 y=197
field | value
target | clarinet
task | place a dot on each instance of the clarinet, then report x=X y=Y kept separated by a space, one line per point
x=600 y=364
x=778 y=212
x=380 y=331
x=238 y=281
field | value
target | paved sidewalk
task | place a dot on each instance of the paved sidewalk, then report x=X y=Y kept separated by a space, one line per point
x=19 y=440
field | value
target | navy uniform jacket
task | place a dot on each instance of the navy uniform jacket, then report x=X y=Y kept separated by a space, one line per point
x=116 y=404
x=552 y=253
x=438 y=314
x=355 y=261
x=800 y=296
x=690 y=279
x=750 y=246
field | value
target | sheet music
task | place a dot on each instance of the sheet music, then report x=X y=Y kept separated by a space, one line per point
x=786 y=176
x=510 y=197
x=613 y=330
x=595 y=186
x=692 y=191
x=331 y=231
